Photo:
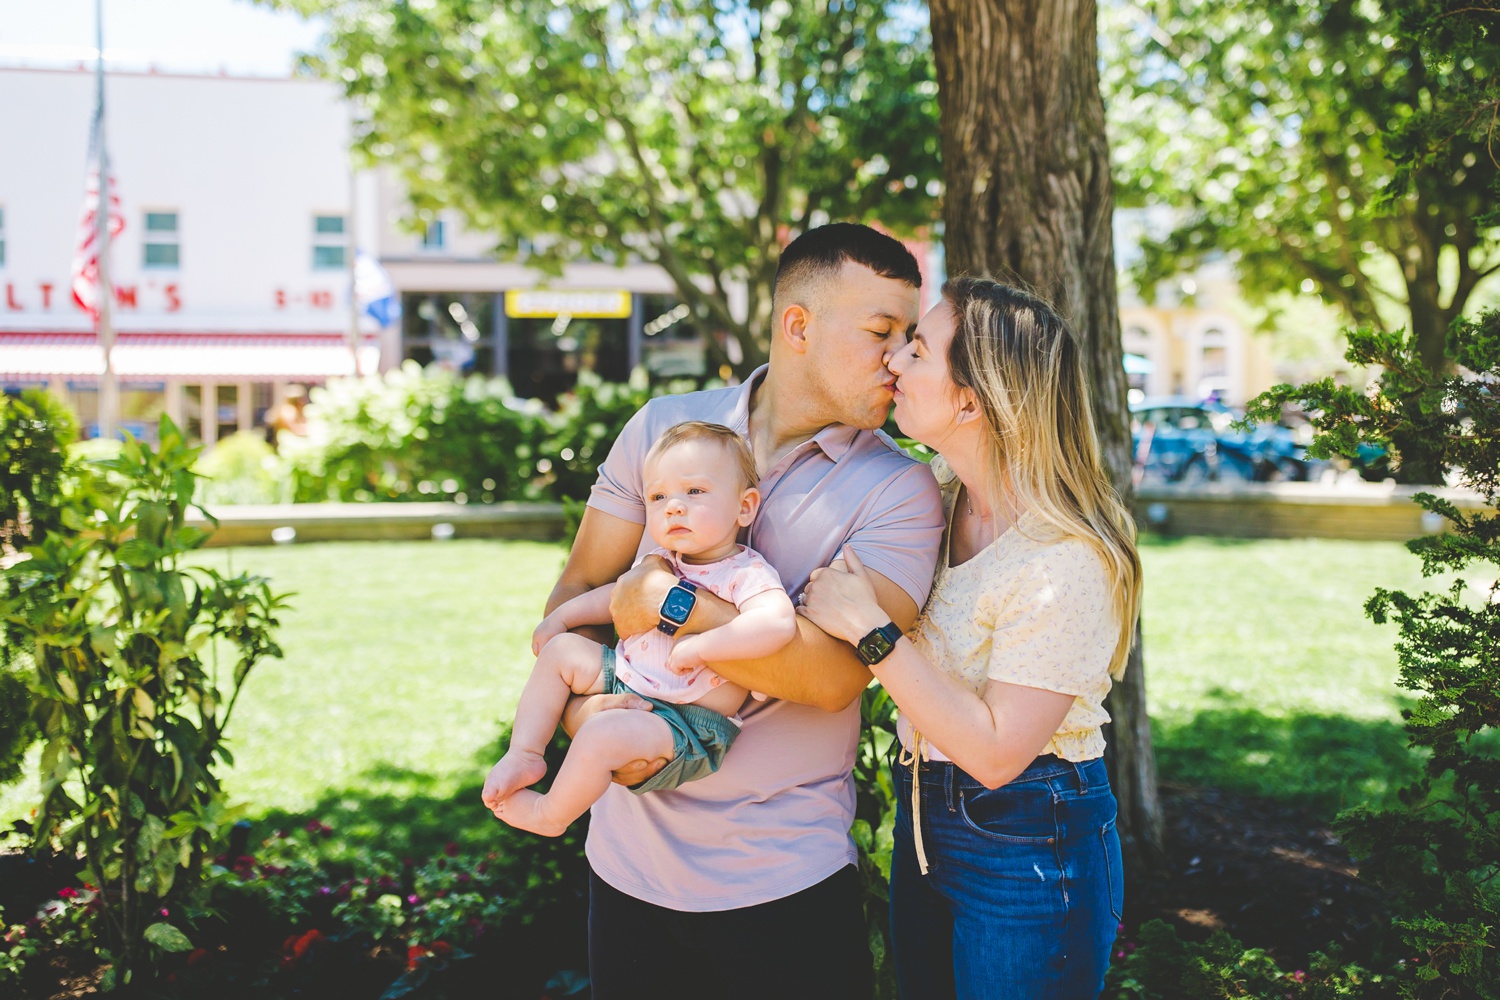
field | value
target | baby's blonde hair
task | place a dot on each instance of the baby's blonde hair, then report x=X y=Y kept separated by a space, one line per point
x=700 y=430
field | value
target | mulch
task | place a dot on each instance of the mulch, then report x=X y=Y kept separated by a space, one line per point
x=1273 y=876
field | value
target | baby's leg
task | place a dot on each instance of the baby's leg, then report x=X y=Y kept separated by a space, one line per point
x=725 y=699
x=569 y=664
x=605 y=742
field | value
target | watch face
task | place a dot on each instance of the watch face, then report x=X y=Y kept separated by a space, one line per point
x=874 y=647
x=677 y=606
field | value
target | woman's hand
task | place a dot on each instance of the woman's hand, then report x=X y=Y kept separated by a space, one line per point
x=840 y=600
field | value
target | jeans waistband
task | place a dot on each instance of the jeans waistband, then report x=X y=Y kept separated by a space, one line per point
x=1083 y=775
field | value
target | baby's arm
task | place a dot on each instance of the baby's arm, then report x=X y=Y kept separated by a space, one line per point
x=766 y=622
x=591 y=608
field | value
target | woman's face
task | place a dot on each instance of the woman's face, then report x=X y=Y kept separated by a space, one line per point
x=928 y=404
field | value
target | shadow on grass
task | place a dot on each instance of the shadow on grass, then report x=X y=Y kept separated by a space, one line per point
x=1156 y=540
x=406 y=817
x=1322 y=763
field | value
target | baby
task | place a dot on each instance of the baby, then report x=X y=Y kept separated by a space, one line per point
x=700 y=489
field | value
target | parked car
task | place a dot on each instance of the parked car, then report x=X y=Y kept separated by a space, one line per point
x=1182 y=440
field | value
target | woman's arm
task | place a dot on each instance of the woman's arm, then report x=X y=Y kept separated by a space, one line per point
x=993 y=737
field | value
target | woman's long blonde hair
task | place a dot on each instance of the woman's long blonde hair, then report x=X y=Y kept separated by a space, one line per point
x=1023 y=364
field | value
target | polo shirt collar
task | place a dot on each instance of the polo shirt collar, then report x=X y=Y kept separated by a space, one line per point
x=835 y=439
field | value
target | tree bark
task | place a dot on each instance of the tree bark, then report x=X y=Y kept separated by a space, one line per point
x=1029 y=200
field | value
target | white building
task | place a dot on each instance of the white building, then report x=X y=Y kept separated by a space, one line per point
x=232 y=273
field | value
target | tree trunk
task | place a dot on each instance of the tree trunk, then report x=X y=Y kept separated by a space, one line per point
x=1029 y=200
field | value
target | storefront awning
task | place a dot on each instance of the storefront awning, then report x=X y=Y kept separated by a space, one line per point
x=227 y=357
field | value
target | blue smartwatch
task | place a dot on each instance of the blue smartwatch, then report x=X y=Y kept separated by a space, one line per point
x=678 y=606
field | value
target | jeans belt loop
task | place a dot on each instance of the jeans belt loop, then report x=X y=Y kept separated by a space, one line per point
x=915 y=758
x=1083 y=780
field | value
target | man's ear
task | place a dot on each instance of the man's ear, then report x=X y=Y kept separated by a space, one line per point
x=792 y=328
x=749 y=506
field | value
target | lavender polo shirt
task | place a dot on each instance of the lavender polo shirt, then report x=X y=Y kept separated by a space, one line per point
x=775 y=818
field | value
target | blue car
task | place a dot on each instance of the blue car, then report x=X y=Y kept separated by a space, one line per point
x=1182 y=440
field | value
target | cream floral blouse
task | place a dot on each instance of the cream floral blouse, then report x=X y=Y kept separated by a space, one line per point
x=1027 y=611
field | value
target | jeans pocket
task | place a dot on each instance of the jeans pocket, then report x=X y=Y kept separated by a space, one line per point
x=1018 y=813
x=1114 y=867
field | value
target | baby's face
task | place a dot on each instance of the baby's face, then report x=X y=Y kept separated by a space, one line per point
x=695 y=500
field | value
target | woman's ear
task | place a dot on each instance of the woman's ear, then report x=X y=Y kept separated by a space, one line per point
x=968 y=406
x=749 y=506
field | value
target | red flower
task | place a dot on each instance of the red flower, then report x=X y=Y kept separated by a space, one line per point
x=196 y=955
x=67 y=892
x=295 y=947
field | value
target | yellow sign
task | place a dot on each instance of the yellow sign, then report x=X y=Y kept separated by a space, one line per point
x=539 y=303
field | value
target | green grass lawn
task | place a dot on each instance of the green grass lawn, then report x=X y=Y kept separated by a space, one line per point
x=403 y=659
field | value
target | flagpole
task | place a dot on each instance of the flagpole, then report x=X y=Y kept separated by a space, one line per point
x=109 y=397
x=351 y=235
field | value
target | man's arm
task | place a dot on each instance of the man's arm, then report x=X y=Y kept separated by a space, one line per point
x=603 y=549
x=813 y=669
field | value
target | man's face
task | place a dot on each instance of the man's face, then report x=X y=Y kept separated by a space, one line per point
x=856 y=323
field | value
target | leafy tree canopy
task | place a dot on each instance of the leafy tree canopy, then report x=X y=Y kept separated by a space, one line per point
x=1345 y=147
x=695 y=134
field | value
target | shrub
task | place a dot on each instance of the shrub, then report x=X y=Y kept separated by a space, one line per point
x=242 y=468
x=1438 y=858
x=1162 y=966
x=126 y=648
x=412 y=434
x=35 y=432
x=425 y=434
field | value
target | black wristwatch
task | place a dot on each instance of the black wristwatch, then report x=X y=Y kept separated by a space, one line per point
x=878 y=644
x=678 y=606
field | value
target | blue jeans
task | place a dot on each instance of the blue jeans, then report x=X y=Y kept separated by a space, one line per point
x=1024 y=889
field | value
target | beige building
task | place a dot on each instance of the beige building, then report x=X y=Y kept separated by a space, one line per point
x=1191 y=340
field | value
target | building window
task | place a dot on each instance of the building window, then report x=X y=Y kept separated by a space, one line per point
x=436 y=235
x=162 y=244
x=330 y=251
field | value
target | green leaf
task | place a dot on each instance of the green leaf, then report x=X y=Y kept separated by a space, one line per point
x=137 y=553
x=168 y=938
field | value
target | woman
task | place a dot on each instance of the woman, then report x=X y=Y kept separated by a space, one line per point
x=1006 y=879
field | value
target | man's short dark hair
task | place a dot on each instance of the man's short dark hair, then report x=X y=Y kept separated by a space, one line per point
x=817 y=255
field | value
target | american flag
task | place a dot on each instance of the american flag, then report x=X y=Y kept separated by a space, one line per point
x=86 y=256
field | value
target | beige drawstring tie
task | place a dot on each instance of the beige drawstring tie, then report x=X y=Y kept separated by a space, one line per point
x=915 y=758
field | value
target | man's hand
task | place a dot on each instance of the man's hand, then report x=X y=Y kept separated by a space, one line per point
x=636 y=602
x=580 y=709
x=685 y=656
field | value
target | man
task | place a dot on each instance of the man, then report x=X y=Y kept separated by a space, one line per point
x=742 y=883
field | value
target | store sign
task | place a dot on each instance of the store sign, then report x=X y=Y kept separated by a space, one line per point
x=541 y=303
x=47 y=294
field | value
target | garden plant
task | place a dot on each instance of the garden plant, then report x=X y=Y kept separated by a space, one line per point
x=134 y=662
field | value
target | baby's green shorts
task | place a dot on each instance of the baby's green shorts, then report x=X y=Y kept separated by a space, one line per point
x=700 y=737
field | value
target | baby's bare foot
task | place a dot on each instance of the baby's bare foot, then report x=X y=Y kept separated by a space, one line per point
x=527 y=810
x=518 y=769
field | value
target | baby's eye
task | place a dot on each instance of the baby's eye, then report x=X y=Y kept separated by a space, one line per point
x=695 y=490
x=657 y=498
